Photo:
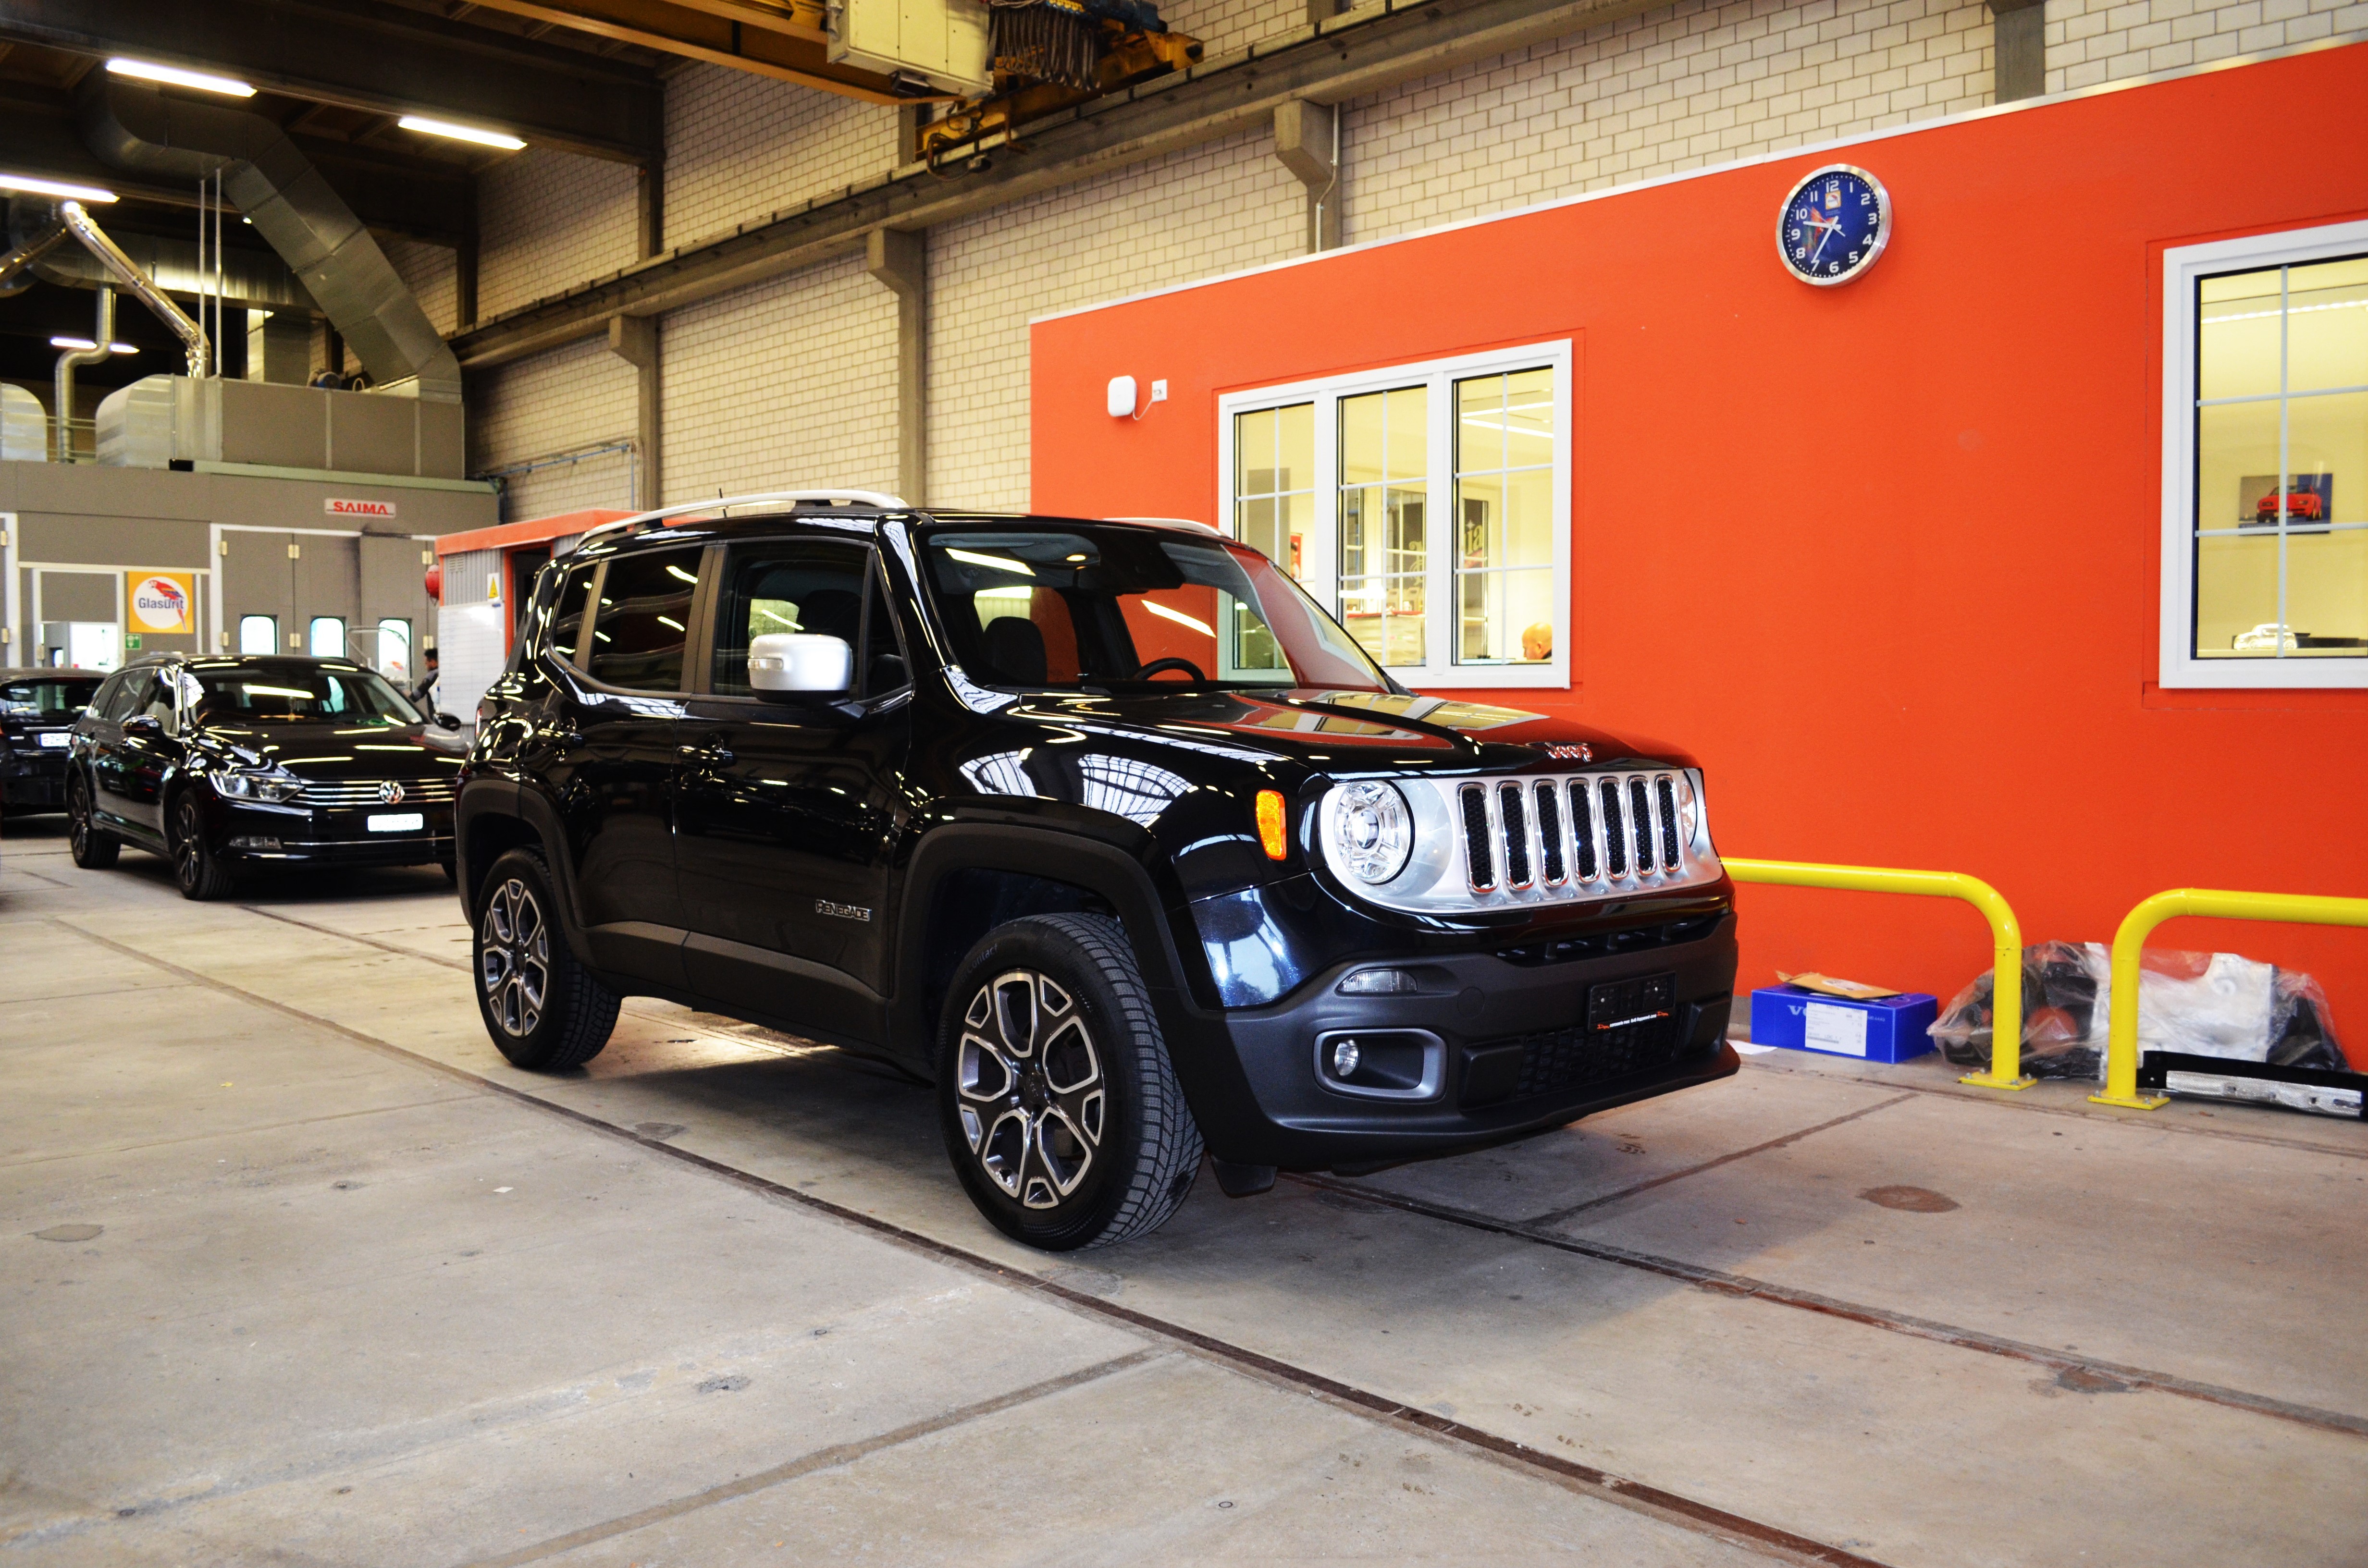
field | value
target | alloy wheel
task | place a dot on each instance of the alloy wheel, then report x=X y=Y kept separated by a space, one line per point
x=514 y=957
x=188 y=841
x=78 y=820
x=1031 y=1089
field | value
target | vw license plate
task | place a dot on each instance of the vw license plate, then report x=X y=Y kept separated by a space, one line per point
x=397 y=821
x=57 y=738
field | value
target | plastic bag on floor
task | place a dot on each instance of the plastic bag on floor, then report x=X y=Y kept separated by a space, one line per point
x=2202 y=1004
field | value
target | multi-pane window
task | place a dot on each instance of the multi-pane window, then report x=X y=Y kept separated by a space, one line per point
x=2266 y=558
x=1427 y=505
x=1384 y=553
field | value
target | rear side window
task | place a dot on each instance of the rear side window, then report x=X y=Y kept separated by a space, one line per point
x=814 y=586
x=568 y=612
x=642 y=620
x=115 y=699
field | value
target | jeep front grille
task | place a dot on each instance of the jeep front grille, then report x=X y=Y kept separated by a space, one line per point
x=1619 y=828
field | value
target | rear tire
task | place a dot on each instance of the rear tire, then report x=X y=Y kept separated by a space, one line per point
x=196 y=867
x=1061 y=1113
x=94 y=850
x=544 y=1009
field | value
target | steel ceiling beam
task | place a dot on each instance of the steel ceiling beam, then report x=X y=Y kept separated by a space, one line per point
x=764 y=40
x=1361 y=52
x=380 y=58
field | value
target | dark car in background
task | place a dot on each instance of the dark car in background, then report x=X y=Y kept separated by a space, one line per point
x=38 y=709
x=220 y=763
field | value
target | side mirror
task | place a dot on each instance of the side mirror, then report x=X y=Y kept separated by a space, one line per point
x=144 y=725
x=448 y=721
x=799 y=662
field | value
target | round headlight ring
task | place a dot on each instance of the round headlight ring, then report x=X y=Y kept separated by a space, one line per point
x=1373 y=830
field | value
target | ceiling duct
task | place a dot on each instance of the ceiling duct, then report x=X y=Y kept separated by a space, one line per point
x=292 y=206
x=251 y=280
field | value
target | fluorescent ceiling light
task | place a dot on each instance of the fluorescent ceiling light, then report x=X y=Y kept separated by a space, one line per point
x=87 y=342
x=999 y=562
x=203 y=81
x=427 y=126
x=64 y=191
x=1180 y=618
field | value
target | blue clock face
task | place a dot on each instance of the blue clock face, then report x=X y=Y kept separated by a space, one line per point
x=1834 y=225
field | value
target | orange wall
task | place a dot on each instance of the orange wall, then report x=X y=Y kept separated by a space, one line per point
x=1885 y=556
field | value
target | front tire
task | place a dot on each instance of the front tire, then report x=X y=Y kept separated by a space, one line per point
x=94 y=850
x=1061 y=1113
x=544 y=1009
x=196 y=867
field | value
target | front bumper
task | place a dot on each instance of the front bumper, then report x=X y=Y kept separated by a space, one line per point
x=1517 y=1054
x=281 y=835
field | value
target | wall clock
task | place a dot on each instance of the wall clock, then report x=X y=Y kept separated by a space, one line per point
x=1833 y=225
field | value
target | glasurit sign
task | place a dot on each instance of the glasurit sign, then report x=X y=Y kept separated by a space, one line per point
x=337 y=508
x=161 y=601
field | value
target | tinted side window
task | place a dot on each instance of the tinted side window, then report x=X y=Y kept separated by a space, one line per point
x=116 y=699
x=796 y=585
x=642 y=618
x=884 y=656
x=568 y=611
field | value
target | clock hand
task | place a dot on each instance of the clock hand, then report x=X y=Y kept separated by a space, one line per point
x=1827 y=231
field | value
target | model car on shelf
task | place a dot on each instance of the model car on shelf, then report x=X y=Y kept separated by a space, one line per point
x=1106 y=828
x=38 y=709
x=239 y=761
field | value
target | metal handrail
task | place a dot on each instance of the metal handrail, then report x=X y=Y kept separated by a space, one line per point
x=2129 y=943
x=2006 y=986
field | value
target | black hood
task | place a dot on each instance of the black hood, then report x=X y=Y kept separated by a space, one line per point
x=319 y=750
x=1347 y=732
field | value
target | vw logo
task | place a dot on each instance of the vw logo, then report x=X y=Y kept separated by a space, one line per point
x=390 y=794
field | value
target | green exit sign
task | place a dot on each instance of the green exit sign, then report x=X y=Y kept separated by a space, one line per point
x=132 y=643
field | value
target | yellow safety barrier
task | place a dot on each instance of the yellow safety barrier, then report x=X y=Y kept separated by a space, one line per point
x=2121 y=1038
x=2006 y=1005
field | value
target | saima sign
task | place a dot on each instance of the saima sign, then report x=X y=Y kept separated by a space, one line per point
x=164 y=602
x=336 y=508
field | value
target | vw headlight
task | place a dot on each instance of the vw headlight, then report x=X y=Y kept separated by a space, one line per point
x=269 y=784
x=1371 y=830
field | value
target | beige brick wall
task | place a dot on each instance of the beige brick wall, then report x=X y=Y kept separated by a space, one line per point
x=1212 y=209
x=1681 y=87
x=742 y=147
x=426 y=270
x=788 y=384
x=2091 y=41
x=547 y=221
x=578 y=396
x=1224 y=26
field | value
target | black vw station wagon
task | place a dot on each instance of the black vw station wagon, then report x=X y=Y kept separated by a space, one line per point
x=38 y=709
x=1106 y=828
x=218 y=763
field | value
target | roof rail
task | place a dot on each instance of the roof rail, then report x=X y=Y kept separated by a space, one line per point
x=724 y=504
x=1168 y=522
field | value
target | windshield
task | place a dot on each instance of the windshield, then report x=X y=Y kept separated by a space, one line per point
x=1082 y=608
x=286 y=691
x=56 y=699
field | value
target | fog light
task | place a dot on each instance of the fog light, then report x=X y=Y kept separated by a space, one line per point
x=248 y=841
x=1379 y=983
x=1344 y=1057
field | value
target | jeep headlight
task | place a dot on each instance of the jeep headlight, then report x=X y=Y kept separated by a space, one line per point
x=272 y=784
x=1370 y=831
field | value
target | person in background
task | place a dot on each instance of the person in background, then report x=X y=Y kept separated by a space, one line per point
x=423 y=693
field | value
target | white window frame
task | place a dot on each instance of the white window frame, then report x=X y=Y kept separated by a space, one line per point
x=1321 y=562
x=2183 y=268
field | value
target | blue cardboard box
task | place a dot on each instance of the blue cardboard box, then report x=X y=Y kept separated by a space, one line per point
x=1889 y=1029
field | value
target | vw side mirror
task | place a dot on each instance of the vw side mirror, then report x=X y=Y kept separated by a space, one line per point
x=792 y=663
x=144 y=725
x=448 y=721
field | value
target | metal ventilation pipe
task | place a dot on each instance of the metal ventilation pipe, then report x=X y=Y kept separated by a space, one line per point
x=17 y=267
x=112 y=256
x=268 y=178
x=62 y=388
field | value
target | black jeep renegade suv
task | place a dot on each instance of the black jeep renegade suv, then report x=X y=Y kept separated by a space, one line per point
x=1103 y=827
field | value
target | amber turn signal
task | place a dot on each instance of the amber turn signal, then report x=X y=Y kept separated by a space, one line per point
x=1269 y=822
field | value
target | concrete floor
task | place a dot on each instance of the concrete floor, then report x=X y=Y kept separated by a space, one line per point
x=360 y=1293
